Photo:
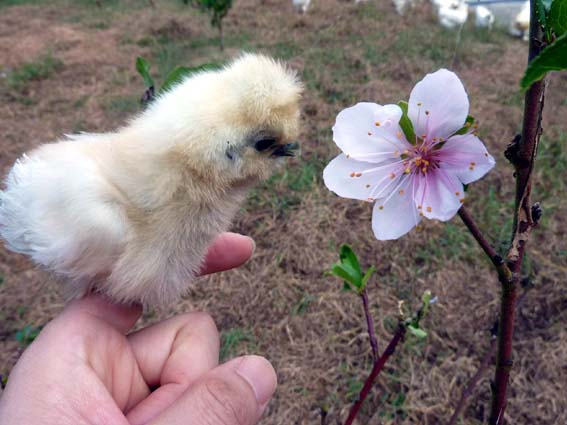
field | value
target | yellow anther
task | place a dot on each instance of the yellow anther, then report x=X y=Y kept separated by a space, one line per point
x=467 y=124
x=428 y=209
x=352 y=174
x=407 y=171
x=377 y=123
x=399 y=134
x=406 y=152
x=424 y=169
x=358 y=174
x=462 y=200
x=381 y=207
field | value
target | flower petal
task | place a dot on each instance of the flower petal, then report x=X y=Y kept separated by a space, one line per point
x=354 y=179
x=438 y=105
x=466 y=156
x=439 y=194
x=396 y=214
x=370 y=132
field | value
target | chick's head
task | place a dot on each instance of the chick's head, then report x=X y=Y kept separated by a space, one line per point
x=245 y=120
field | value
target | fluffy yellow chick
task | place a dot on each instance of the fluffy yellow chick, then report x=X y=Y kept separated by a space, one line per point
x=131 y=213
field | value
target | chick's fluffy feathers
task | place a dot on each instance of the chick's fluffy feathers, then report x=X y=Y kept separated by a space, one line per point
x=132 y=213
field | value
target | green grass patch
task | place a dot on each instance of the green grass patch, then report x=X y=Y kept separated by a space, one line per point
x=28 y=334
x=284 y=190
x=40 y=69
x=233 y=340
x=122 y=105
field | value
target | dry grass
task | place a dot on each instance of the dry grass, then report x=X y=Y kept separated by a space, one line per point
x=280 y=304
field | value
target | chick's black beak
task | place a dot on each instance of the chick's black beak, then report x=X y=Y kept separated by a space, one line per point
x=290 y=149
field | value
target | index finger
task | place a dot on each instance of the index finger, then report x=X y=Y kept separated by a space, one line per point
x=229 y=250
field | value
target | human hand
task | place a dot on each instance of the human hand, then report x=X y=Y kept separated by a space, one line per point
x=84 y=369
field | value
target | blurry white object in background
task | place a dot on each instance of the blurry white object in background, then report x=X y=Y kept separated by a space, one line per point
x=301 y=6
x=484 y=18
x=451 y=13
x=403 y=5
x=520 y=26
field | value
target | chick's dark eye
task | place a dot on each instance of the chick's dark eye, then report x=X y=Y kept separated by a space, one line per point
x=265 y=143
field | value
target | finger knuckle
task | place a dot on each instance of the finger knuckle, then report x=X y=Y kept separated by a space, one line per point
x=202 y=321
x=224 y=404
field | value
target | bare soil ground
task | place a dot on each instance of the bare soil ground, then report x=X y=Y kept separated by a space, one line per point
x=280 y=304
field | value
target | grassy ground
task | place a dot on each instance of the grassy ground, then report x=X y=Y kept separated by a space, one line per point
x=68 y=66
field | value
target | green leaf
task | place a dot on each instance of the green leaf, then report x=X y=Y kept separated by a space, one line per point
x=557 y=17
x=552 y=58
x=406 y=124
x=367 y=276
x=469 y=122
x=143 y=68
x=182 y=72
x=418 y=332
x=348 y=257
x=346 y=273
x=542 y=10
x=346 y=287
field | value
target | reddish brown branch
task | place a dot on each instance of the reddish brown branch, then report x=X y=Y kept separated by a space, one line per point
x=484 y=364
x=504 y=272
x=370 y=325
x=522 y=154
x=376 y=369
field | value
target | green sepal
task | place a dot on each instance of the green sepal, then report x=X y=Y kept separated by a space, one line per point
x=469 y=122
x=143 y=68
x=406 y=124
x=552 y=58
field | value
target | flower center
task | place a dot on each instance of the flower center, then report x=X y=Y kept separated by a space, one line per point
x=420 y=158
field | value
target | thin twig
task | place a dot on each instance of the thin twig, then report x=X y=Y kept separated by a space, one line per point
x=503 y=271
x=522 y=155
x=370 y=324
x=376 y=369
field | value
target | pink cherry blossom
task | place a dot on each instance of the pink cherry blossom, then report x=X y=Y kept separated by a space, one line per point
x=408 y=181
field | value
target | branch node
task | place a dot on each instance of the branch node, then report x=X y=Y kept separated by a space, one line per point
x=537 y=212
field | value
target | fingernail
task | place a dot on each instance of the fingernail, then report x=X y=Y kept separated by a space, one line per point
x=260 y=374
x=253 y=244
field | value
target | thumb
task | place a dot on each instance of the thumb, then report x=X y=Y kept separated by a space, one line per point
x=235 y=393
